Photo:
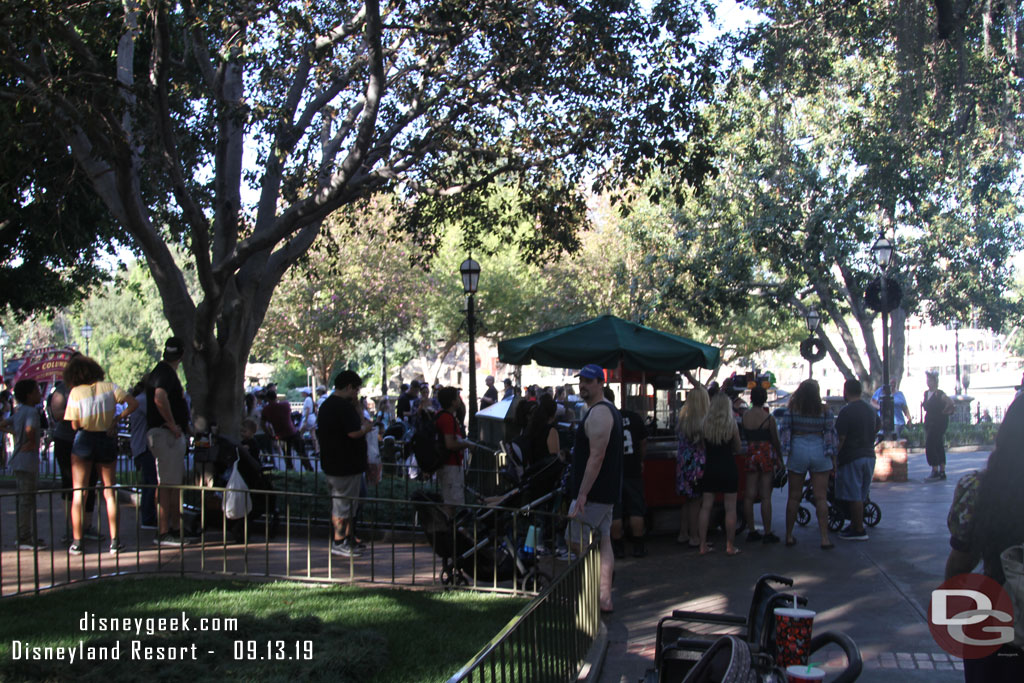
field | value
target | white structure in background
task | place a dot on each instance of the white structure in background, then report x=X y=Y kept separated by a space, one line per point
x=989 y=372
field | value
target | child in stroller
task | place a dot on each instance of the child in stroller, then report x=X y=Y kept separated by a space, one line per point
x=836 y=509
x=491 y=542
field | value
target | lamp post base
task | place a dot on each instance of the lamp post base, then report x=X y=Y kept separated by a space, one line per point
x=890 y=461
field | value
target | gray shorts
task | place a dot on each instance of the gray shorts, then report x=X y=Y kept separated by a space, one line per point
x=596 y=516
x=452 y=482
x=169 y=453
x=344 y=495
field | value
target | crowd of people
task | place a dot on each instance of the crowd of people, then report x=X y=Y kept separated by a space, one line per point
x=726 y=447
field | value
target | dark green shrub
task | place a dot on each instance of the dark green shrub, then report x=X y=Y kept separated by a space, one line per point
x=958 y=434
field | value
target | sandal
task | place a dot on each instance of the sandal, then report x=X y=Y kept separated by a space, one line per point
x=734 y=551
x=707 y=551
x=790 y=541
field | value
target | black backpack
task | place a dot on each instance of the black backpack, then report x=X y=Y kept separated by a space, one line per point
x=428 y=446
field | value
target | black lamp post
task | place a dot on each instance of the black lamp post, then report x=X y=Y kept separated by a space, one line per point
x=813 y=319
x=470 y=271
x=4 y=340
x=882 y=251
x=86 y=335
x=956 y=347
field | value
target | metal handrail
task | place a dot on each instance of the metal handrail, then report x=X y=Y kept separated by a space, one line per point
x=550 y=637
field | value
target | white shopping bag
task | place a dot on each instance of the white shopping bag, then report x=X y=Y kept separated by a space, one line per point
x=237 y=501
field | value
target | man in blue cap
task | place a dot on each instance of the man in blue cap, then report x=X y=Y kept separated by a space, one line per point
x=596 y=484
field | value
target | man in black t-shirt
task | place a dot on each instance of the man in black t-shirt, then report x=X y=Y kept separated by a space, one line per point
x=856 y=427
x=167 y=420
x=341 y=430
x=404 y=404
x=632 y=506
x=490 y=396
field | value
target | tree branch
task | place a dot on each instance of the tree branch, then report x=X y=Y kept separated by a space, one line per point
x=193 y=214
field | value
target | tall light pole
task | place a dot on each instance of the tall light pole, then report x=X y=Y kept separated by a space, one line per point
x=813 y=319
x=4 y=339
x=956 y=347
x=470 y=271
x=86 y=335
x=882 y=251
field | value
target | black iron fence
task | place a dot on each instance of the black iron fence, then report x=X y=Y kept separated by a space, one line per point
x=408 y=539
x=289 y=535
x=549 y=639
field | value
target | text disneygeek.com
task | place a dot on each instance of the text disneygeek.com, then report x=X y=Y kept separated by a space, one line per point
x=138 y=649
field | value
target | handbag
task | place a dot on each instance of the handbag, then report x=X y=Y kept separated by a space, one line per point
x=1012 y=560
x=237 y=500
x=780 y=475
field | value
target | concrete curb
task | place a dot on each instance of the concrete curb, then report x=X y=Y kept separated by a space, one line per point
x=594 y=661
x=986 y=448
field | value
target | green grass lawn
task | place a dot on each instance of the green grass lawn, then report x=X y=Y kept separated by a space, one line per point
x=336 y=633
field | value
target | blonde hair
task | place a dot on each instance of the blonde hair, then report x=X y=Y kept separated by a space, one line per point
x=691 y=416
x=719 y=425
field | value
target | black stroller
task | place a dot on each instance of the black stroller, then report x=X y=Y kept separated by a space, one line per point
x=487 y=544
x=836 y=509
x=683 y=654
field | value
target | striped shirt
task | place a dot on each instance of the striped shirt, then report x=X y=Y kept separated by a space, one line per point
x=93 y=405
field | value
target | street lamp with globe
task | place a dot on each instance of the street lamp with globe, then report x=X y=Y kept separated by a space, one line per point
x=4 y=340
x=883 y=251
x=470 y=271
x=86 y=335
x=812 y=349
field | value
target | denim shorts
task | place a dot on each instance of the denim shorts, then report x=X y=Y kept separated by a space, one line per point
x=808 y=455
x=95 y=446
x=854 y=479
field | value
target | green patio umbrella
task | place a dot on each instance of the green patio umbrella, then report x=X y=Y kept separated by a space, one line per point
x=611 y=343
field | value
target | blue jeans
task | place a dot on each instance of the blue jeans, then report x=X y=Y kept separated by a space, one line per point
x=145 y=464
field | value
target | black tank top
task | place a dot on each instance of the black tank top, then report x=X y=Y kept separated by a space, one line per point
x=762 y=433
x=607 y=487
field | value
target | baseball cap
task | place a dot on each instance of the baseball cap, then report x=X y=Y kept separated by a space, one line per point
x=174 y=349
x=591 y=371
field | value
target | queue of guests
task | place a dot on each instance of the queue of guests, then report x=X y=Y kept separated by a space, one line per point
x=722 y=440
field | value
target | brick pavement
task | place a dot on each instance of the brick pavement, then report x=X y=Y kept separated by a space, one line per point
x=877 y=591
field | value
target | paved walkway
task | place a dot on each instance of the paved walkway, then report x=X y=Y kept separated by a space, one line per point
x=877 y=591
